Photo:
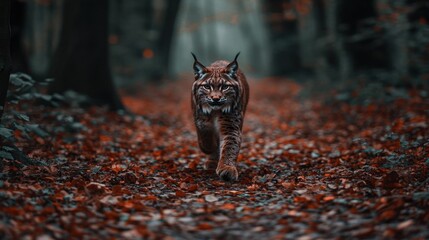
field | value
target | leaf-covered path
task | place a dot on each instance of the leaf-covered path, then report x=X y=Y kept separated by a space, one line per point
x=307 y=170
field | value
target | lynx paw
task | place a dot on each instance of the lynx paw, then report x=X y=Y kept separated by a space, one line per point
x=210 y=165
x=227 y=173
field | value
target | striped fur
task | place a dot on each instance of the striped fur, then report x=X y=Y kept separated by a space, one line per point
x=219 y=123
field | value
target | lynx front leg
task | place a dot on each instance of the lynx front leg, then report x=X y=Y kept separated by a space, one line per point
x=208 y=140
x=230 y=147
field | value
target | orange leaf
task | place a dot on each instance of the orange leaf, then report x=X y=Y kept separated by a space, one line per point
x=148 y=53
x=128 y=204
x=118 y=167
x=228 y=206
x=204 y=226
x=300 y=199
x=193 y=165
x=104 y=138
x=150 y=198
x=328 y=198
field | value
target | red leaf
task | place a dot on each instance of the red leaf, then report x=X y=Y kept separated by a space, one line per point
x=180 y=193
x=192 y=188
x=204 y=226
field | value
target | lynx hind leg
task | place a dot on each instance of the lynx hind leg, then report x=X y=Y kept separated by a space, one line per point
x=212 y=161
x=208 y=140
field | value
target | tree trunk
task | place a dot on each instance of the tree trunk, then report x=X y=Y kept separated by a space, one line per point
x=321 y=66
x=5 y=62
x=80 y=61
x=211 y=30
x=253 y=35
x=341 y=58
x=397 y=32
x=307 y=36
x=166 y=35
x=193 y=16
x=19 y=55
x=284 y=42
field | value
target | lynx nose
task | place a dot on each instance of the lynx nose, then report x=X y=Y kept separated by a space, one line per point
x=216 y=99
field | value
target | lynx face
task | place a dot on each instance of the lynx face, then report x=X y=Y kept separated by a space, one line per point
x=219 y=98
x=216 y=92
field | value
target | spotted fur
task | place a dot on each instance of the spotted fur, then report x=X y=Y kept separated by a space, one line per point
x=219 y=99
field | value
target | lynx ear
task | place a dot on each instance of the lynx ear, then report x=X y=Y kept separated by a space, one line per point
x=232 y=68
x=199 y=69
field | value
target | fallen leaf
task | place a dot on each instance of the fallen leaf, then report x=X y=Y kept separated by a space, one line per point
x=210 y=198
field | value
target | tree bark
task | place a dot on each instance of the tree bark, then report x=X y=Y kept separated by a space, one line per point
x=251 y=33
x=397 y=32
x=19 y=55
x=342 y=59
x=194 y=16
x=166 y=35
x=284 y=41
x=80 y=61
x=211 y=30
x=307 y=35
x=5 y=61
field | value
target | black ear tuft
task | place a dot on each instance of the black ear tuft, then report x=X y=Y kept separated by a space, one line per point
x=199 y=69
x=233 y=67
x=236 y=56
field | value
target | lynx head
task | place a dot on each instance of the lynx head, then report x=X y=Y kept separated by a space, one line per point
x=216 y=87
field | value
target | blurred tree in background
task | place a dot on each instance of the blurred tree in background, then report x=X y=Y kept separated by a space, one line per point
x=141 y=38
x=81 y=62
x=19 y=55
x=341 y=41
x=5 y=62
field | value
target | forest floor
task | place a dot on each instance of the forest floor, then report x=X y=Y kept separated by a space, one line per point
x=307 y=170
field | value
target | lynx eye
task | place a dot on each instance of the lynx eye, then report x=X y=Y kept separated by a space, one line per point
x=207 y=86
x=225 y=87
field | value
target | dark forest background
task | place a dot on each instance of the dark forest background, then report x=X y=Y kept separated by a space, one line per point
x=345 y=44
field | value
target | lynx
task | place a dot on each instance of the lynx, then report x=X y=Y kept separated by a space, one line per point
x=220 y=94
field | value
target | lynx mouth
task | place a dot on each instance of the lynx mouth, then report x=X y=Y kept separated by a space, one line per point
x=220 y=103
